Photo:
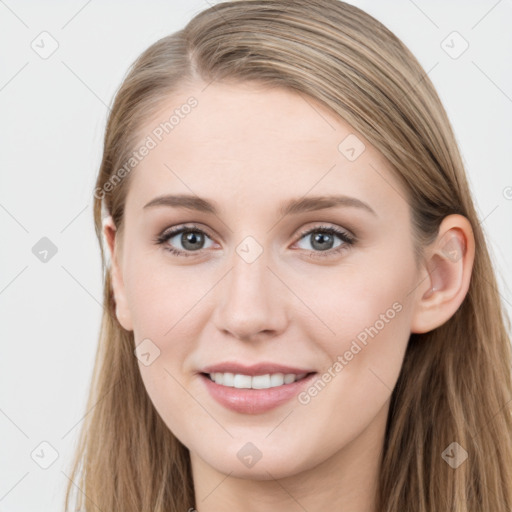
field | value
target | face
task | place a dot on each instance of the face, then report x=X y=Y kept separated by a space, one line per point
x=326 y=289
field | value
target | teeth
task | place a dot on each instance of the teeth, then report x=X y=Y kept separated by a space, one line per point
x=260 y=381
x=267 y=381
x=242 y=381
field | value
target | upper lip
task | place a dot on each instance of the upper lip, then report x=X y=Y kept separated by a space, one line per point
x=255 y=369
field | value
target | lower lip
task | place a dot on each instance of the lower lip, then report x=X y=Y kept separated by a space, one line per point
x=254 y=401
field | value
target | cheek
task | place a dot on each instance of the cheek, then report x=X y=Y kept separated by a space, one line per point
x=371 y=299
x=165 y=303
x=161 y=296
x=359 y=299
x=368 y=312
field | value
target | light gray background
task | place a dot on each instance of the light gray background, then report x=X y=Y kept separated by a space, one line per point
x=53 y=114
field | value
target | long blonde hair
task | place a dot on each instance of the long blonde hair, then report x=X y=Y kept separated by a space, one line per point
x=455 y=383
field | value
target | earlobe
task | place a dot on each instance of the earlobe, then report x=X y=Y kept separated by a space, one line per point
x=122 y=311
x=449 y=264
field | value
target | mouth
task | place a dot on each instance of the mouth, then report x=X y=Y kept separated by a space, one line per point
x=254 y=394
x=267 y=381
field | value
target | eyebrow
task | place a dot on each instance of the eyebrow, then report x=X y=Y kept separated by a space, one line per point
x=293 y=206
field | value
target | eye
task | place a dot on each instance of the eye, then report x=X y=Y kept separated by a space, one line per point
x=322 y=238
x=191 y=238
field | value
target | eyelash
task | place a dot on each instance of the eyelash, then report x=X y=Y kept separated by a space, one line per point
x=348 y=240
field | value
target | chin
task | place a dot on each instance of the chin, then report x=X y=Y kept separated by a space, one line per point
x=246 y=463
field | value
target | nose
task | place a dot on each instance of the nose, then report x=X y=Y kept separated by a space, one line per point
x=252 y=301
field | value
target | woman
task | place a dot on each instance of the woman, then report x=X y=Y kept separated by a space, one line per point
x=300 y=309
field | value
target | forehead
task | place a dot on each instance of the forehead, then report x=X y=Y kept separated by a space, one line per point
x=247 y=140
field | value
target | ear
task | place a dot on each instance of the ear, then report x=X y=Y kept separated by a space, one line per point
x=122 y=311
x=448 y=264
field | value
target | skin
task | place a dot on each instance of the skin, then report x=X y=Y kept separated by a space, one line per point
x=248 y=149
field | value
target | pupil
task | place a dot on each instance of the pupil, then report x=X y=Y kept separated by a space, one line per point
x=188 y=239
x=321 y=238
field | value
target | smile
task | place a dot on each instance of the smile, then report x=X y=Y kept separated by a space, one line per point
x=240 y=381
x=256 y=394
